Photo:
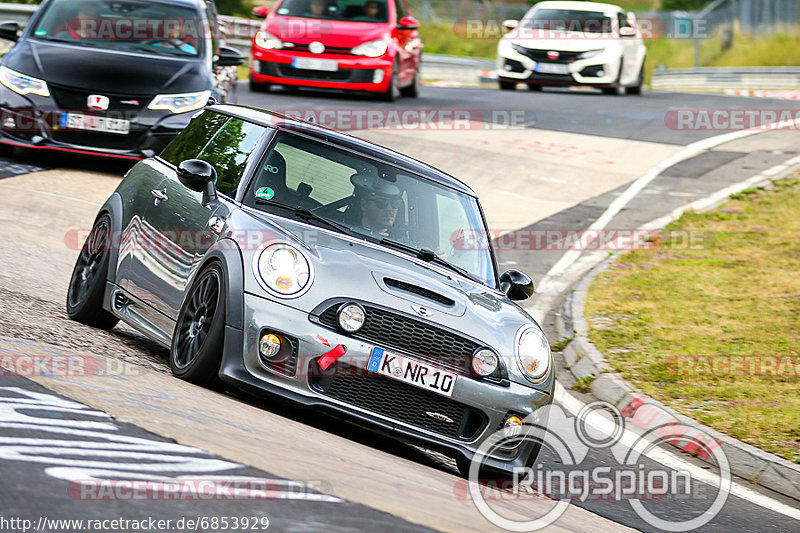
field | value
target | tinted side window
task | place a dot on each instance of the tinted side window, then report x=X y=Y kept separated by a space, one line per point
x=228 y=150
x=190 y=141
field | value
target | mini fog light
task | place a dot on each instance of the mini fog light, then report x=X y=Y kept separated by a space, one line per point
x=270 y=345
x=512 y=426
x=484 y=362
x=351 y=317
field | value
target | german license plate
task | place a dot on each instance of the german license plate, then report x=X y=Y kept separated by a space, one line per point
x=312 y=63
x=412 y=372
x=552 y=68
x=79 y=121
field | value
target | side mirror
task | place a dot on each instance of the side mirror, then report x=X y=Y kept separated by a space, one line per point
x=229 y=57
x=9 y=30
x=627 y=32
x=199 y=176
x=407 y=23
x=510 y=24
x=516 y=285
x=260 y=12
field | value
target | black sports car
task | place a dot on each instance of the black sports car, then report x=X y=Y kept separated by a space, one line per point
x=118 y=78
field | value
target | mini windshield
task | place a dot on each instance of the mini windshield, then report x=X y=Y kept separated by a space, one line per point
x=129 y=24
x=568 y=20
x=374 y=200
x=352 y=10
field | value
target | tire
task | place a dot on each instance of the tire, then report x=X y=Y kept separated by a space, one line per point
x=412 y=90
x=534 y=87
x=256 y=87
x=507 y=85
x=637 y=89
x=87 y=284
x=197 y=342
x=393 y=92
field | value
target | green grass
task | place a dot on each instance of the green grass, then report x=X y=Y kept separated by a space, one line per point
x=734 y=291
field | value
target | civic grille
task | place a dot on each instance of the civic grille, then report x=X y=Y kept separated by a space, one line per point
x=541 y=55
x=70 y=99
x=402 y=402
x=426 y=342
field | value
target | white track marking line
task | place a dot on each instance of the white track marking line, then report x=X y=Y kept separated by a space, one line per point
x=670 y=460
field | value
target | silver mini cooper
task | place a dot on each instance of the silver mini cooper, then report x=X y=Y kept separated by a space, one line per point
x=278 y=256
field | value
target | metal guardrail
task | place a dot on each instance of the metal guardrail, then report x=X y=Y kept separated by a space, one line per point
x=726 y=78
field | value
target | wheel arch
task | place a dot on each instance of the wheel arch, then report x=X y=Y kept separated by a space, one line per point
x=227 y=253
x=113 y=208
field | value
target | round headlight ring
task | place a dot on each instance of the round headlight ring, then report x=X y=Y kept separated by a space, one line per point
x=485 y=362
x=351 y=317
x=535 y=361
x=283 y=270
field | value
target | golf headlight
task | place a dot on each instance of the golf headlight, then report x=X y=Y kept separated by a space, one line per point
x=267 y=41
x=591 y=53
x=371 y=49
x=351 y=317
x=283 y=270
x=22 y=84
x=533 y=352
x=484 y=362
x=180 y=103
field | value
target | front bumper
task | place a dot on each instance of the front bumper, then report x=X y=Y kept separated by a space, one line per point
x=301 y=382
x=600 y=71
x=355 y=73
x=32 y=121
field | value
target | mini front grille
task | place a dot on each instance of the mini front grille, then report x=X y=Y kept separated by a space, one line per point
x=420 y=291
x=399 y=401
x=425 y=341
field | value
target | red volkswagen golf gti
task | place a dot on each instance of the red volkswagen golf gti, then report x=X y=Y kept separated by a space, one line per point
x=361 y=45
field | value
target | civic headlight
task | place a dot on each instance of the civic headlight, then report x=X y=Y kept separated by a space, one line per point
x=180 y=103
x=533 y=352
x=22 y=84
x=371 y=49
x=591 y=53
x=267 y=41
x=283 y=270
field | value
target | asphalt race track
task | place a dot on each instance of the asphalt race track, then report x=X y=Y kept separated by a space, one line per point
x=561 y=165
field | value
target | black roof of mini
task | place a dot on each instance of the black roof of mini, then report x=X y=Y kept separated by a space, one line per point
x=287 y=123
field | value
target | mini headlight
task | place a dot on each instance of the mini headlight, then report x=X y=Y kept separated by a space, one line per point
x=283 y=270
x=533 y=352
x=371 y=49
x=351 y=317
x=180 y=103
x=267 y=41
x=484 y=362
x=591 y=53
x=22 y=84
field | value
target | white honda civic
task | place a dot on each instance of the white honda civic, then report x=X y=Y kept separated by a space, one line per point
x=573 y=43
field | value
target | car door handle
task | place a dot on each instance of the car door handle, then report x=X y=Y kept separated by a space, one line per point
x=161 y=195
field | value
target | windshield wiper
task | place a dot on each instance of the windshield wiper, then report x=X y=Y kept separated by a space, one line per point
x=308 y=215
x=429 y=256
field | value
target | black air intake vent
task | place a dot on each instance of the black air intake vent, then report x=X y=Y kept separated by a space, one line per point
x=419 y=291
